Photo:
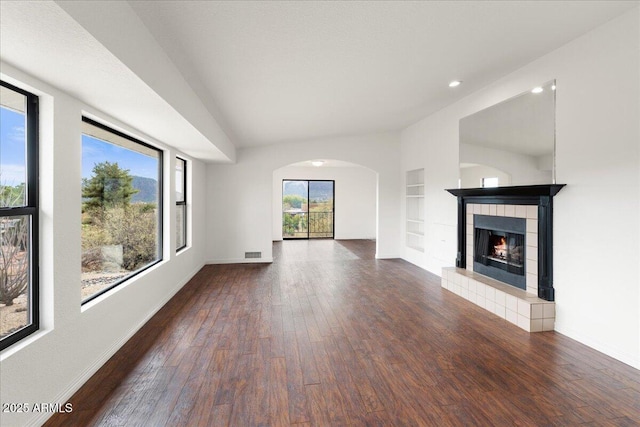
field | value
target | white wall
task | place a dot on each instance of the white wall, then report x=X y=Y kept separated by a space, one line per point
x=428 y=144
x=597 y=110
x=240 y=196
x=354 y=198
x=74 y=340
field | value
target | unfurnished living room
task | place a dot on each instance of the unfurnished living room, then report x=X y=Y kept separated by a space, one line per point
x=319 y=213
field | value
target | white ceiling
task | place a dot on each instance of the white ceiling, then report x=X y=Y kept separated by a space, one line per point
x=206 y=76
x=288 y=71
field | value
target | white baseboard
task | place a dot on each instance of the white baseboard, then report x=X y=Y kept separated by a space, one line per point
x=631 y=360
x=386 y=256
x=79 y=381
x=414 y=261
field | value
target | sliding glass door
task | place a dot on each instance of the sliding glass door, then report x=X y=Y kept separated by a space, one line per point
x=307 y=209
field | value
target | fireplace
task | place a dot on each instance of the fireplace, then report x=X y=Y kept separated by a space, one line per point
x=534 y=205
x=505 y=253
x=499 y=248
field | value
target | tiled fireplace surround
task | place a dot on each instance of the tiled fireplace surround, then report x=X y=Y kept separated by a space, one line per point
x=522 y=308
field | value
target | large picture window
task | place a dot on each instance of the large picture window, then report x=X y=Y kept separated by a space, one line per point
x=121 y=207
x=181 y=203
x=18 y=214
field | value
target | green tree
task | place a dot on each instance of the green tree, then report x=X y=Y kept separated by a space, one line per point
x=293 y=201
x=12 y=196
x=290 y=224
x=109 y=187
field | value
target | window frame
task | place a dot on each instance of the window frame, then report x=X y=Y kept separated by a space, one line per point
x=183 y=203
x=31 y=209
x=160 y=243
x=333 y=208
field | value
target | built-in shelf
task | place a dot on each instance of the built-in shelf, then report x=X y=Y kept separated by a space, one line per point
x=414 y=234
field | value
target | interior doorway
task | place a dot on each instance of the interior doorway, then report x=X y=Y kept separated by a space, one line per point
x=308 y=209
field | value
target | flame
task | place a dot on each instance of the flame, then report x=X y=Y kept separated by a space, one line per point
x=501 y=248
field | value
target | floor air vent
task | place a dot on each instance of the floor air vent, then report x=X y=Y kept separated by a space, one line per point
x=248 y=255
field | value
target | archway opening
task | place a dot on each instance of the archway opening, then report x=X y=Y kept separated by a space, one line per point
x=354 y=205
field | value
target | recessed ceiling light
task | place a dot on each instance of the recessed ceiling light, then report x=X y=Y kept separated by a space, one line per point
x=455 y=83
x=553 y=87
x=537 y=90
x=317 y=163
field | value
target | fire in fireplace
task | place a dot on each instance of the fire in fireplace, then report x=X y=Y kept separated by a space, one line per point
x=499 y=248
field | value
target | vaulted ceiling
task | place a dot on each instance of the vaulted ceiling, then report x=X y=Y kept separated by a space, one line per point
x=239 y=74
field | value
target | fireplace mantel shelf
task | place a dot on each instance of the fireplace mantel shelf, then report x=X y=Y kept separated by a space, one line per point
x=519 y=190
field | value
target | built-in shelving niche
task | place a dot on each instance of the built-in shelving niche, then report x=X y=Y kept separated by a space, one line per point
x=415 y=210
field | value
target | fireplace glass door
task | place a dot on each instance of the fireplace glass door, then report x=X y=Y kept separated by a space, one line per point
x=501 y=250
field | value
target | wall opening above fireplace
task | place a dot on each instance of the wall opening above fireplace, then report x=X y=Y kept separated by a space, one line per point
x=499 y=248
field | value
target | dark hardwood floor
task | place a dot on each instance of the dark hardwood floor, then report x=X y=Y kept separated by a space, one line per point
x=329 y=336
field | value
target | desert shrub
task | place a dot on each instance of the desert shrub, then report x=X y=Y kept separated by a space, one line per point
x=94 y=237
x=14 y=259
x=293 y=201
x=92 y=260
x=135 y=228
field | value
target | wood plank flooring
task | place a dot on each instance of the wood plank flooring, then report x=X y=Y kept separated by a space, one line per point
x=329 y=336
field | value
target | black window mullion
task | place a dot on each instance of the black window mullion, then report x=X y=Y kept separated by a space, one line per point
x=182 y=204
x=159 y=230
x=23 y=210
x=32 y=150
x=29 y=210
x=308 y=212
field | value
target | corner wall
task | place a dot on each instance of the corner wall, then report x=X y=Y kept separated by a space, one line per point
x=74 y=341
x=597 y=156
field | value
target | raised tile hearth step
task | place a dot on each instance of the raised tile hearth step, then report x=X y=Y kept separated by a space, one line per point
x=517 y=306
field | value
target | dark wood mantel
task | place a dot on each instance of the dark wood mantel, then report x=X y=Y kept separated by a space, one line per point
x=549 y=190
